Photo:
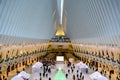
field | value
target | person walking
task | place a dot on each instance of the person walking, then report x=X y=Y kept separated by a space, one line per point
x=73 y=77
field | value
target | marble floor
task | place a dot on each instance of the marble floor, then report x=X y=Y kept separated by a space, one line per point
x=35 y=76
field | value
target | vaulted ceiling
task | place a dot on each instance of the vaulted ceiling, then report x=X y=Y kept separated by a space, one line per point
x=92 y=21
x=27 y=18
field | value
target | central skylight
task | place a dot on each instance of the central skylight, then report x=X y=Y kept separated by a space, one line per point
x=60 y=10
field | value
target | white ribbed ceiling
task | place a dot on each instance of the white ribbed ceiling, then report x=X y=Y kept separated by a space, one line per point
x=27 y=18
x=92 y=21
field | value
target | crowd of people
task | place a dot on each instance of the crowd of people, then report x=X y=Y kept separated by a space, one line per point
x=71 y=70
x=47 y=62
x=78 y=75
x=46 y=71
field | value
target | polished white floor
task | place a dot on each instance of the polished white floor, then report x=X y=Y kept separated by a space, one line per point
x=35 y=76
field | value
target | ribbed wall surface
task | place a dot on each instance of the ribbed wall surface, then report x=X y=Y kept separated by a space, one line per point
x=27 y=18
x=93 y=21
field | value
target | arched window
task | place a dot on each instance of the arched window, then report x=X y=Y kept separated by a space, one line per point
x=112 y=54
x=118 y=60
x=99 y=54
x=103 y=53
x=107 y=53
